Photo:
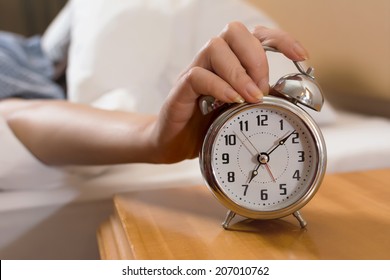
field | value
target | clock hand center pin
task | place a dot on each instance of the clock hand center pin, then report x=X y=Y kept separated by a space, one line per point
x=263 y=159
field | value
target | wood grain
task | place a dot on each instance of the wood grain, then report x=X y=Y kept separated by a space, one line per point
x=347 y=219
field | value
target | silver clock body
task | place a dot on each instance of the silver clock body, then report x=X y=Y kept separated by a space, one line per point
x=264 y=160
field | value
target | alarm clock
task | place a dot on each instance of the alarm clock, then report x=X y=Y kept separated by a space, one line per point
x=266 y=160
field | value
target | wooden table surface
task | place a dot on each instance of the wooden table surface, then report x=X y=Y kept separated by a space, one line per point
x=349 y=218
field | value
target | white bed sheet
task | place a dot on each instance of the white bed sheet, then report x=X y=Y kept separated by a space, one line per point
x=357 y=142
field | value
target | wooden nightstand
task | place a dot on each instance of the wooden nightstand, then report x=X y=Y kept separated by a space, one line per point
x=349 y=218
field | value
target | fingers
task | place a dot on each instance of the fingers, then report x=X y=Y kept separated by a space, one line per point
x=199 y=80
x=282 y=41
x=238 y=58
x=249 y=51
x=235 y=65
x=182 y=103
x=221 y=59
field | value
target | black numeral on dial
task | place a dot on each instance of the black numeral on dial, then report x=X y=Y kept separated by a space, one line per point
x=301 y=155
x=231 y=177
x=225 y=158
x=230 y=140
x=297 y=175
x=245 y=189
x=295 y=138
x=262 y=120
x=263 y=194
x=244 y=125
x=283 y=189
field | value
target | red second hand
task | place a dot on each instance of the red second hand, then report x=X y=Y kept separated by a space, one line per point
x=269 y=171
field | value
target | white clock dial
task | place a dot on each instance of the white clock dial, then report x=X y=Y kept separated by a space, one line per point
x=264 y=158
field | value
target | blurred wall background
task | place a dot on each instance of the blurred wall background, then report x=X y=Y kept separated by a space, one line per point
x=349 y=44
x=28 y=17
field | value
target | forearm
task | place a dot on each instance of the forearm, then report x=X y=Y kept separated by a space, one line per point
x=58 y=133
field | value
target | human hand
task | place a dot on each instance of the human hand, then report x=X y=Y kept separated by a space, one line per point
x=232 y=68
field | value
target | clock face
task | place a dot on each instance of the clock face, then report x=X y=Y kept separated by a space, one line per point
x=263 y=158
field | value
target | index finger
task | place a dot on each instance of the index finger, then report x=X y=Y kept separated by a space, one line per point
x=282 y=41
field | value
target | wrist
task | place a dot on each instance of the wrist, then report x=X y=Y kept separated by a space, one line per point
x=144 y=146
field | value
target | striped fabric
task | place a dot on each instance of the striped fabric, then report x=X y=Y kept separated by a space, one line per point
x=25 y=71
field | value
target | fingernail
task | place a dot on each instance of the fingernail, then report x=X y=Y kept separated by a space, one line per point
x=254 y=91
x=300 y=51
x=239 y=99
x=232 y=95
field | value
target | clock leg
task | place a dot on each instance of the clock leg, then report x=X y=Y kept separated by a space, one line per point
x=300 y=219
x=229 y=217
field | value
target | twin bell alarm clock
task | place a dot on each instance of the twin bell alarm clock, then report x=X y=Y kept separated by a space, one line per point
x=266 y=160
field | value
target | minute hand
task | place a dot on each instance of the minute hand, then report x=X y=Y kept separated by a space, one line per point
x=281 y=142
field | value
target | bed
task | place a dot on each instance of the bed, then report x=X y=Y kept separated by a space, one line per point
x=53 y=213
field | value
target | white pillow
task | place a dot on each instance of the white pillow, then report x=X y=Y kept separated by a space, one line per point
x=118 y=44
x=56 y=38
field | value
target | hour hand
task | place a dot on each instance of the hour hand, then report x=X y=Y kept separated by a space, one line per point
x=254 y=173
